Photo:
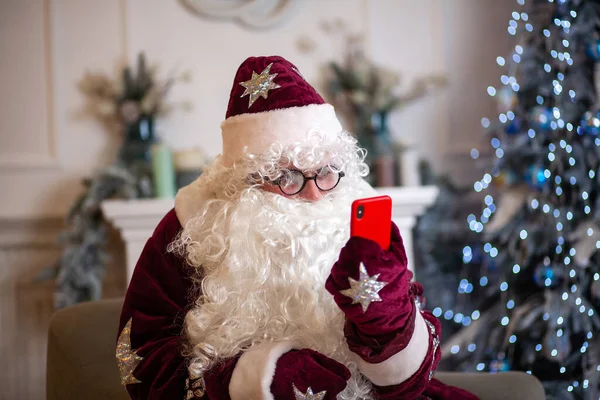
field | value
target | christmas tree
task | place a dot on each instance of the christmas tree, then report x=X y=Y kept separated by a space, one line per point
x=439 y=239
x=528 y=296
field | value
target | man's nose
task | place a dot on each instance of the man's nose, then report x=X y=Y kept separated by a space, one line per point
x=311 y=192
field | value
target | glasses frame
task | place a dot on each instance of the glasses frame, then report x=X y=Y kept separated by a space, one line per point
x=277 y=182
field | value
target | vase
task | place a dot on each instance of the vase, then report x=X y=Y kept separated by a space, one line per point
x=135 y=154
x=139 y=138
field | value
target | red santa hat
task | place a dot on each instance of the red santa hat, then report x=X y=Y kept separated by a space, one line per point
x=271 y=102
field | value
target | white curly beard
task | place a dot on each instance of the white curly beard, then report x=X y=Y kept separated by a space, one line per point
x=264 y=260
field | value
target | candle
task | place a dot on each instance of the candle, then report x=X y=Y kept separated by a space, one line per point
x=409 y=167
x=163 y=172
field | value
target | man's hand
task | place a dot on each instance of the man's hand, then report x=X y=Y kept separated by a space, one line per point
x=372 y=287
x=301 y=371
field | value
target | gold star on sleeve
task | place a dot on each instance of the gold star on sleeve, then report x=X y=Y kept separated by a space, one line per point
x=259 y=85
x=308 y=395
x=365 y=290
x=126 y=357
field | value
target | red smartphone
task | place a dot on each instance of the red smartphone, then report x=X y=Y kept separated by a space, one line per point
x=372 y=219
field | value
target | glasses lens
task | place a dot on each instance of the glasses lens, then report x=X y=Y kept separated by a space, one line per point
x=291 y=182
x=327 y=179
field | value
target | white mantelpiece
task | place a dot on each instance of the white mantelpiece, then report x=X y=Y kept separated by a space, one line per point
x=136 y=219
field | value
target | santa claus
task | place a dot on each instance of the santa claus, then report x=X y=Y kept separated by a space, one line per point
x=251 y=287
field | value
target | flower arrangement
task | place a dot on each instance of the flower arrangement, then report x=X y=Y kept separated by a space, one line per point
x=126 y=106
x=133 y=95
x=366 y=93
x=364 y=89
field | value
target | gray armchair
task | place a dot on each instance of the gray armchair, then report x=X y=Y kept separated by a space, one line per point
x=82 y=365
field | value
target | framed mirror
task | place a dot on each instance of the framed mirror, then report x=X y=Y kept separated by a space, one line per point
x=256 y=14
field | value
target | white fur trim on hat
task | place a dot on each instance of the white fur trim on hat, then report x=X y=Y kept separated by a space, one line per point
x=254 y=133
x=402 y=365
x=253 y=374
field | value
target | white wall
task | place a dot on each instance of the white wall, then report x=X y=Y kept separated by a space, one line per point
x=46 y=46
x=459 y=39
x=475 y=34
x=213 y=50
x=45 y=148
x=410 y=39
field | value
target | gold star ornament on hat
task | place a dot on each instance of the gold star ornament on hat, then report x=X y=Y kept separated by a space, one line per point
x=259 y=85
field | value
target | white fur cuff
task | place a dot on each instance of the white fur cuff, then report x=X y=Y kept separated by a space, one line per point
x=254 y=371
x=402 y=365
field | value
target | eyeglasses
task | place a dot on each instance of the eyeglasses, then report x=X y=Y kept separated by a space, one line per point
x=293 y=181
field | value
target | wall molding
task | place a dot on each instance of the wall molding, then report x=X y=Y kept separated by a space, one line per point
x=50 y=83
x=255 y=14
x=24 y=161
x=30 y=232
x=27 y=161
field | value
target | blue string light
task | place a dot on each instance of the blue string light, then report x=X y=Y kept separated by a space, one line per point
x=477 y=225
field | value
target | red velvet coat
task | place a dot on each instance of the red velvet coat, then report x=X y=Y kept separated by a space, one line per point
x=159 y=296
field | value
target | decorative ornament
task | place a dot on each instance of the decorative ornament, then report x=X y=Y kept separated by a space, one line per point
x=499 y=364
x=593 y=49
x=507 y=99
x=254 y=14
x=490 y=262
x=436 y=344
x=476 y=254
x=197 y=389
x=505 y=178
x=541 y=117
x=585 y=245
x=535 y=177
x=562 y=345
x=563 y=9
x=308 y=395
x=259 y=85
x=545 y=275
x=126 y=357
x=511 y=201
x=595 y=289
x=365 y=290
x=590 y=123
x=512 y=127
